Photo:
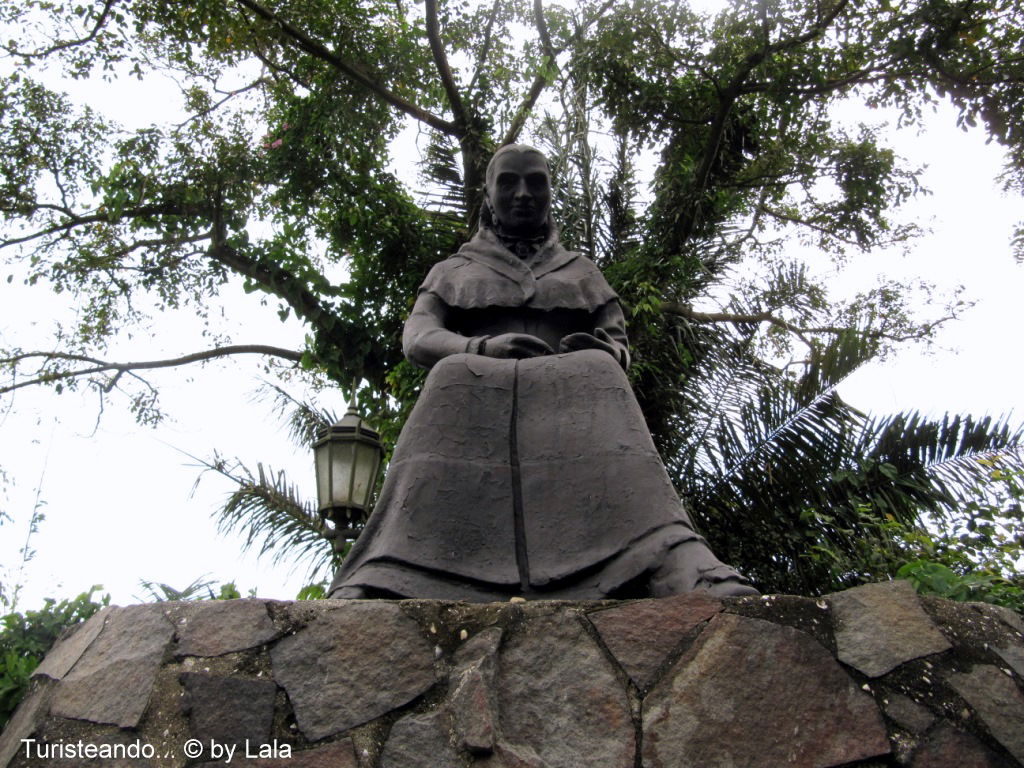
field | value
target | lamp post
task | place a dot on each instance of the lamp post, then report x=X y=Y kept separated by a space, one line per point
x=347 y=455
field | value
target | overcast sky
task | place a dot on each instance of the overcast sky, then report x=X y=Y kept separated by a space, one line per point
x=118 y=498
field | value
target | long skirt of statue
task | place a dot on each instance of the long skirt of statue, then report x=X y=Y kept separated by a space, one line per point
x=534 y=477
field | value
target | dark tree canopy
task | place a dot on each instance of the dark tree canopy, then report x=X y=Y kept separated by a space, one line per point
x=687 y=148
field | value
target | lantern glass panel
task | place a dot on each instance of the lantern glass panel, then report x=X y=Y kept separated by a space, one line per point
x=342 y=461
x=322 y=456
x=366 y=457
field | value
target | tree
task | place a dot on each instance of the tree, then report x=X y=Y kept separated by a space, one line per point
x=280 y=175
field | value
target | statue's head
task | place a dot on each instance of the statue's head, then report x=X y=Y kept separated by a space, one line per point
x=517 y=196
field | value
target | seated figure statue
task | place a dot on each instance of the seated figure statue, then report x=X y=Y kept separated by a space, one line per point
x=526 y=467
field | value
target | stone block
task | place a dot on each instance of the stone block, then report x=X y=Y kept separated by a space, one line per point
x=998 y=703
x=216 y=627
x=754 y=693
x=228 y=710
x=1013 y=656
x=511 y=756
x=473 y=708
x=907 y=713
x=880 y=626
x=421 y=741
x=30 y=714
x=641 y=635
x=68 y=650
x=947 y=747
x=354 y=662
x=473 y=701
x=1006 y=615
x=112 y=681
x=337 y=754
x=559 y=696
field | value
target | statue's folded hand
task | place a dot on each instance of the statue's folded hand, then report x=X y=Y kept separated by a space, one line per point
x=599 y=339
x=516 y=345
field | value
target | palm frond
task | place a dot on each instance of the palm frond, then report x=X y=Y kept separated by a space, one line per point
x=786 y=478
x=946 y=451
x=440 y=174
x=303 y=419
x=744 y=412
x=158 y=592
x=272 y=516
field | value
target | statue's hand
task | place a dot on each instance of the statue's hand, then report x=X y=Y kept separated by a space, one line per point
x=599 y=339
x=516 y=345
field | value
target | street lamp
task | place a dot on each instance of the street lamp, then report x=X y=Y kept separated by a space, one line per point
x=347 y=455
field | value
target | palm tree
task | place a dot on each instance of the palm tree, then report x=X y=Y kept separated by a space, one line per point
x=806 y=492
x=271 y=512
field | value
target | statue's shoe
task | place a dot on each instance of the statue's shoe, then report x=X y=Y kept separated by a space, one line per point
x=690 y=566
x=349 y=593
x=731 y=587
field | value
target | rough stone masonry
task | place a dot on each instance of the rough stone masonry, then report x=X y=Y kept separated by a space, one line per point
x=874 y=676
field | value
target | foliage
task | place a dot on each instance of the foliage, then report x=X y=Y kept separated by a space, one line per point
x=270 y=511
x=312 y=592
x=810 y=493
x=25 y=639
x=977 y=554
x=931 y=578
x=285 y=174
x=199 y=589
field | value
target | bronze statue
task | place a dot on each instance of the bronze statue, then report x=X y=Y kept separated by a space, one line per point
x=526 y=467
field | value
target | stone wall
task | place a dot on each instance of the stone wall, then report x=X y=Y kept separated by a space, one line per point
x=873 y=676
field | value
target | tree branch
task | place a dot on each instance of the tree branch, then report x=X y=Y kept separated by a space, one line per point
x=516 y=126
x=279 y=70
x=728 y=97
x=542 y=30
x=354 y=73
x=227 y=97
x=541 y=81
x=829 y=232
x=441 y=62
x=101 y=366
x=485 y=47
x=79 y=220
x=42 y=53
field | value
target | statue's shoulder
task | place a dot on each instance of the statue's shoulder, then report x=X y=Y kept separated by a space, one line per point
x=574 y=264
x=445 y=269
x=569 y=280
x=475 y=278
x=456 y=268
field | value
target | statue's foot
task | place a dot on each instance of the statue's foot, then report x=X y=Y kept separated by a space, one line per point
x=730 y=587
x=690 y=566
x=349 y=593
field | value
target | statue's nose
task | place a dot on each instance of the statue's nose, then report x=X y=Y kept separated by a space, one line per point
x=522 y=190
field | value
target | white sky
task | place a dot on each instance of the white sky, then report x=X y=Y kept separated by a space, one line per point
x=118 y=500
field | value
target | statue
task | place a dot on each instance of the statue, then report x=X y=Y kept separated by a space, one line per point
x=526 y=467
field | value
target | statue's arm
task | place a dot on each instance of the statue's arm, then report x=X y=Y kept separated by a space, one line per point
x=610 y=319
x=426 y=338
x=609 y=335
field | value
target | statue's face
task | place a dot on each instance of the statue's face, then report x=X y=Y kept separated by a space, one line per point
x=520 y=193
